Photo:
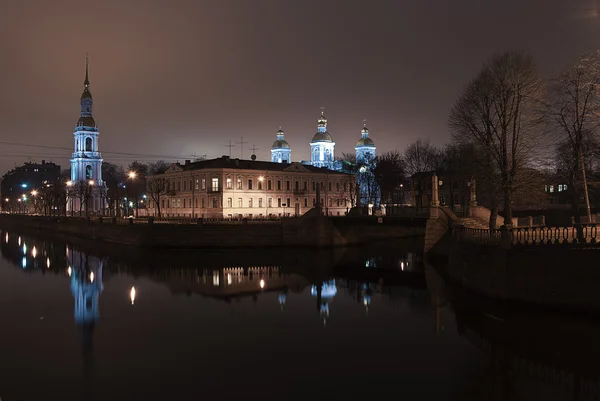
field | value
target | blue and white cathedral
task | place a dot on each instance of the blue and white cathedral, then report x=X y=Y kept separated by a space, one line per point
x=86 y=161
x=322 y=154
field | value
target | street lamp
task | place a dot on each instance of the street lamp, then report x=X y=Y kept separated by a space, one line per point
x=132 y=175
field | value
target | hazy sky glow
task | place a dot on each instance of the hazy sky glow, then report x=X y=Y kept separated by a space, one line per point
x=175 y=78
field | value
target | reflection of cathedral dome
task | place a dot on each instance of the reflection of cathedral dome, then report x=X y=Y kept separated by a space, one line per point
x=328 y=290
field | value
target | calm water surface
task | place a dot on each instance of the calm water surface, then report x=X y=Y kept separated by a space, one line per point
x=80 y=323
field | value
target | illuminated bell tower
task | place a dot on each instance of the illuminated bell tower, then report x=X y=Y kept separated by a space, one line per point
x=322 y=146
x=280 y=151
x=86 y=161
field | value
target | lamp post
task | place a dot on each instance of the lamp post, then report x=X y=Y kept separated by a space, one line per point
x=131 y=175
x=34 y=193
x=69 y=196
x=261 y=179
x=89 y=195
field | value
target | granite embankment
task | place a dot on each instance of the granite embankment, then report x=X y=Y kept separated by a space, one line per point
x=311 y=230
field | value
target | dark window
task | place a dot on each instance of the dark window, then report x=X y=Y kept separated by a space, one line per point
x=297 y=185
x=287 y=185
x=88 y=144
x=305 y=185
x=278 y=202
x=88 y=172
x=249 y=184
x=279 y=185
x=269 y=186
x=305 y=202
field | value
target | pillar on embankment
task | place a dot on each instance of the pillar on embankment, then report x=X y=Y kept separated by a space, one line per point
x=437 y=225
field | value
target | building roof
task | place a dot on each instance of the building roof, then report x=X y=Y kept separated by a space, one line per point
x=365 y=142
x=280 y=144
x=86 y=121
x=225 y=162
x=322 y=137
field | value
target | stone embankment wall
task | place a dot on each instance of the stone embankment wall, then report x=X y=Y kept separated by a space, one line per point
x=554 y=276
x=311 y=230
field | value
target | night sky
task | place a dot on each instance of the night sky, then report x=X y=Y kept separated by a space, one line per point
x=175 y=78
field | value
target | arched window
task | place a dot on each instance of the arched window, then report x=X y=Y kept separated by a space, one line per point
x=88 y=144
x=87 y=109
x=88 y=172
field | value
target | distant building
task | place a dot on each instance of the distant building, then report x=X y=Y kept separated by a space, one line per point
x=233 y=188
x=86 y=161
x=29 y=177
x=369 y=194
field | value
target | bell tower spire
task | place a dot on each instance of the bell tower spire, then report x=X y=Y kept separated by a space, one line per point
x=86 y=83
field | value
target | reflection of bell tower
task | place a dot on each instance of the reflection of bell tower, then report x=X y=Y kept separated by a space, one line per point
x=86 y=286
x=324 y=293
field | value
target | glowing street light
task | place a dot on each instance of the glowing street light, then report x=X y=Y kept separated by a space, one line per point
x=132 y=174
x=34 y=192
x=91 y=277
x=91 y=182
x=69 y=183
x=261 y=178
x=262 y=283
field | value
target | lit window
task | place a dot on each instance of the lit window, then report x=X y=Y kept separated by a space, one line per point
x=240 y=203
x=239 y=183
x=215 y=184
x=250 y=202
x=197 y=186
x=229 y=183
x=204 y=183
x=229 y=202
x=260 y=202
x=551 y=188
x=270 y=202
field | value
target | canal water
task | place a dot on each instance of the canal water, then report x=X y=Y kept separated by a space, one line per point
x=112 y=323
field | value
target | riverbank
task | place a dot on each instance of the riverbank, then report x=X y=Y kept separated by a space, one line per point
x=309 y=231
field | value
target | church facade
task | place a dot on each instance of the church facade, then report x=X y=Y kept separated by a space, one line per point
x=86 y=184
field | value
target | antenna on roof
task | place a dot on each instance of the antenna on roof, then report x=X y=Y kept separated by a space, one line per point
x=241 y=142
x=229 y=146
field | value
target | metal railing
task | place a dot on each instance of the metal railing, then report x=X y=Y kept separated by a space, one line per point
x=586 y=234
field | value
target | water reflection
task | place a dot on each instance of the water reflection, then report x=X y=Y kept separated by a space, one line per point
x=383 y=304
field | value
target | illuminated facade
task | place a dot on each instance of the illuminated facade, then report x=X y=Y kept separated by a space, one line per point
x=234 y=188
x=280 y=151
x=86 y=161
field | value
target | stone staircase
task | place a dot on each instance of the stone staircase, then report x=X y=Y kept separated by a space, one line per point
x=473 y=222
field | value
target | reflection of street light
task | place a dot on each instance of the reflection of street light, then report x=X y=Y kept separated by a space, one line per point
x=132 y=295
x=262 y=283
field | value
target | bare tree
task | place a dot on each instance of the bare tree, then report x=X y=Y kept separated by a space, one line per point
x=83 y=192
x=158 y=187
x=498 y=114
x=389 y=173
x=420 y=156
x=574 y=108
